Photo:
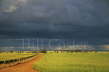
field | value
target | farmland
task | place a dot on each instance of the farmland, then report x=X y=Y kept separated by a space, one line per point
x=74 y=62
x=14 y=55
x=8 y=59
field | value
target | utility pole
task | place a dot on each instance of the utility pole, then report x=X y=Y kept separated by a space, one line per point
x=73 y=44
x=49 y=43
x=23 y=43
x=37 y=44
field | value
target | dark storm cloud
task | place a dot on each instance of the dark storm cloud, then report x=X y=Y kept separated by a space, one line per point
x=78 y=19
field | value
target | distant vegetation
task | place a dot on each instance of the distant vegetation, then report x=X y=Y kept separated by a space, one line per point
x=74 y=62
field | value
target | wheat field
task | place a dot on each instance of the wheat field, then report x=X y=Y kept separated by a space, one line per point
x=73 y=62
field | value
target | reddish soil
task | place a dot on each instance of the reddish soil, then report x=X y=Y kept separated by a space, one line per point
x=23 y=67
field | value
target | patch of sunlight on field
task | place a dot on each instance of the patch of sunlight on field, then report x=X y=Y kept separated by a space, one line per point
x=74 y=62
x=14 y=55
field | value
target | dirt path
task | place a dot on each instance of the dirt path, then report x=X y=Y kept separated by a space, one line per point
x=24 y=67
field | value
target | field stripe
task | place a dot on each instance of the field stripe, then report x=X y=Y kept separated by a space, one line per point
x=23 y=67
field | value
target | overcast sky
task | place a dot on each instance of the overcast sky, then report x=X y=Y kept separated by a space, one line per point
x=76 y=19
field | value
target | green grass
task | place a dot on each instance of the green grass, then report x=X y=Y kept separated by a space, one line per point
x=15 y=55
x=74 y=62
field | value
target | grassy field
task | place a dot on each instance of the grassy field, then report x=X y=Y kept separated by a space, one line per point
x=74 y=62
x=14 y=55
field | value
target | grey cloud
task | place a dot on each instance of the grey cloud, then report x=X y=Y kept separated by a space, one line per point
x=55 y=18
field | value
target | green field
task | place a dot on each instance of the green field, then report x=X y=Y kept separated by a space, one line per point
x=14 y=55
x=74 y=62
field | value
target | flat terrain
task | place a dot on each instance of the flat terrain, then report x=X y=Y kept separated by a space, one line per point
x=23 y=67
x=14 y=55
x=74 y=62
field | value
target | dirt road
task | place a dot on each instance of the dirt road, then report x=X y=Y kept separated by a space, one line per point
x=24 y=67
